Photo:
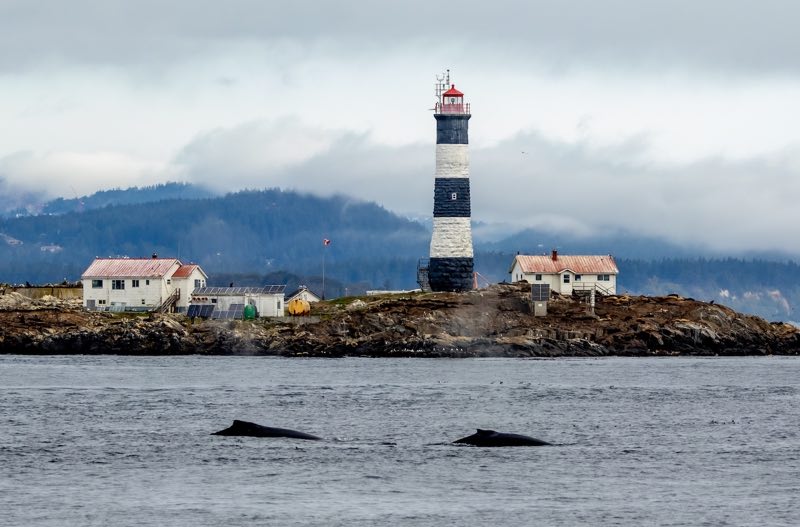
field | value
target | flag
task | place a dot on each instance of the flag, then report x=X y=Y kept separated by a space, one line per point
x=326 y=242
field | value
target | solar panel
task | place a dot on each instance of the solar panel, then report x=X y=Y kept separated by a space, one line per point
x=540 y=292
x=236 y=311
x=234 y=291
x=200 y=310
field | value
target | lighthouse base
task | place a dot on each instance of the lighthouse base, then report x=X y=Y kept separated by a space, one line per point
x=450 y=274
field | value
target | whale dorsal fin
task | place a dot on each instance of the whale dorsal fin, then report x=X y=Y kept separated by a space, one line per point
x=482 y=432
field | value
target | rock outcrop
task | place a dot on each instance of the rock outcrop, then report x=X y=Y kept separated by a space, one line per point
x=497 y=321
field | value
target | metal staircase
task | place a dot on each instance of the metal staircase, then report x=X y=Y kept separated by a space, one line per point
x=582 y=290
x=169 y=303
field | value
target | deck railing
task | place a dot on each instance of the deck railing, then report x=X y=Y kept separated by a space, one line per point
x=462 y=108
x=587 y=287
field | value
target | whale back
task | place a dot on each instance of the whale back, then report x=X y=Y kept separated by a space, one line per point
x=491 y=438
x=248 y=429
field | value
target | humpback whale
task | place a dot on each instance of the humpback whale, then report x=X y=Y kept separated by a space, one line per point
x=492 y=438
x=245 y=428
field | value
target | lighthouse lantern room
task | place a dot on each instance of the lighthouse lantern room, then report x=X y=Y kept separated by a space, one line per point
x=452 y=101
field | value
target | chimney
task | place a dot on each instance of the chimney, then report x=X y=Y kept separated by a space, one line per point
x=554 y=255
x=155 y=256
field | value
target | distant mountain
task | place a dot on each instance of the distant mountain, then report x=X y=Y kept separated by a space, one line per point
x=618 y=244
x=269 y=236
x=129 y=196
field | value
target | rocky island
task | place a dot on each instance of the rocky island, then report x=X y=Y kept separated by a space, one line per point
x=492 y=322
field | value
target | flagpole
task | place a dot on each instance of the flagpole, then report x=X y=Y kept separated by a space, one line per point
x=325 y=243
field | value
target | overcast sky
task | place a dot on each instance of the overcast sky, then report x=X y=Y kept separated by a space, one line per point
x=673 y=118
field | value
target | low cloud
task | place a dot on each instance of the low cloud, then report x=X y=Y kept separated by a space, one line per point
x=723 y=204
x=527 y=181
x=290 y=155
x=66 y=174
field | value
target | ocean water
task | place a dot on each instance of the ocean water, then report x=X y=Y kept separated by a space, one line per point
x=108 y=440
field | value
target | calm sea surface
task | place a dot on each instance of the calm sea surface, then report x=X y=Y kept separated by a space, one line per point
x=125 y=441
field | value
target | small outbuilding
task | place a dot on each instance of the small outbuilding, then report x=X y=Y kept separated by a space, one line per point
x=140 y=284
x=303 y=293
x=233 y=302
x=567 y=273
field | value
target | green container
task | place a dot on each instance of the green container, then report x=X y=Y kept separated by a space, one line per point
x=249 y=312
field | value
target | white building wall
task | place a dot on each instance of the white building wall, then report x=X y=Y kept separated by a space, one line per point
x=131 y=297
x=187 y=287
x=151 y=290
x=556 y=281
x=565 y=289
x=267 y=305
x=95 y=294
x=516 y=273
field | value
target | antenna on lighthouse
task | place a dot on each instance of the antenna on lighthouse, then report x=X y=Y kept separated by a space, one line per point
x=441 y=87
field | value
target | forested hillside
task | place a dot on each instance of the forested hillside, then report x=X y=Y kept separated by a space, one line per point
x=246 y=232
x=275 y=236
x=104 y=198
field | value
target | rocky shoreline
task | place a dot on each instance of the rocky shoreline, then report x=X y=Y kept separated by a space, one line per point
x=493 y=322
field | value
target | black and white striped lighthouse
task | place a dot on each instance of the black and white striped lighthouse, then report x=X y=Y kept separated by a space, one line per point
x=450 y=266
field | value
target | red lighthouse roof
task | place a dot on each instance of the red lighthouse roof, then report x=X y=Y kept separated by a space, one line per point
x=453 y=92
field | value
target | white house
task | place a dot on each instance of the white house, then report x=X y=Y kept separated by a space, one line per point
x=566 y=274
x=303 y=293
x=229 y=302
x=140 y=284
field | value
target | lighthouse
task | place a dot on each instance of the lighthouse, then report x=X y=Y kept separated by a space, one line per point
x=450 y=265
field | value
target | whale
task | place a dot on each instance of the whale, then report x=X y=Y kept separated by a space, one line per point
x=490 y=438
x=246 y=428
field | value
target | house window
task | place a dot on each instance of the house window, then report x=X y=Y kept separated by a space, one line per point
x=169 y=281
x=117 y=284
x=577 y=278
x=454 y=196
x=134 y=283
x=538 y=278
x=279 y=305
x=147 y=282
x=97 y=284
x=101 y=302
x=142 y=301
x=213 y=300
x=197 y=283
x=566 y=278
x=604 y=278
